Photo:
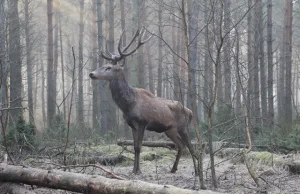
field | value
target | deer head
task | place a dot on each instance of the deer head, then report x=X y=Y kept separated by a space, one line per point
x=113 y=69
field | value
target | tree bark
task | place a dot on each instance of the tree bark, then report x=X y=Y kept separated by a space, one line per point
x=3 y=61
x=163 y=144
x=150 y=70
x=29 y=61
x=15 y=62
x=250 y=59
x=217 y=28
x=84 y=183
x=238 y=102
x=141 y=9
x=94 y=65
x=51 y=94
x=263 y=84
x=288 y=62
x=227 y=53
x=111 y=122
x=256 y=56
x=194 y=8
x=80 y=105
x=159 y=70
x=176 y=67
x=103 y=104
x=198 y=155
x=207 y=82
x=62 y=71
x=270 y=64
x=43 y=90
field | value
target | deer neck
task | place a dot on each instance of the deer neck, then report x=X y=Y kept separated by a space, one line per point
x=122 y=93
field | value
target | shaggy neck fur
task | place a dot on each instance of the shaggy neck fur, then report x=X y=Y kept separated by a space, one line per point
x=122 y=93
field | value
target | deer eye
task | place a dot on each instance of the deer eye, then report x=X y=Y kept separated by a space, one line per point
x=108 y=68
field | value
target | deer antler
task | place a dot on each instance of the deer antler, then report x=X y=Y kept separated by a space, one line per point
x=140 y=42
x=114 y=58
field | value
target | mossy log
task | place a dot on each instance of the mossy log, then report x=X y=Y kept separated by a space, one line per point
x=83 y=183
x=217 y=145
x=164 y=144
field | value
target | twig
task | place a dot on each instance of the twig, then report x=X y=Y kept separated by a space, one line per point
x=70 y=109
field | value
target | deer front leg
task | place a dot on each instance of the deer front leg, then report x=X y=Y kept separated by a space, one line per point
x=138 y=135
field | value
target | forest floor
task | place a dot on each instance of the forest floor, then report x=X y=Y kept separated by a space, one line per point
x=233 y=176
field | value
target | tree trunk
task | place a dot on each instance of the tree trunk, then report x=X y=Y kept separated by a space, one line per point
x=159 y=70
x=270 y=65
x=288 y=62
x=103 y=97
x=82 y=183
x=123 y=26
x=163 y=144
x=250 y=59
x=94 y=65
x=3 y=60
x=175 y=44
x=36 y=87
x=198 y=155
x=193 y=7
x=15 y=62
x=263 y=85
x=55 y=44
x=227 y=53
x=256 y=56
x=217 y=27
x=51 y=95
x=238 y=102
x=80 y=109
x=29 y=61
x=140 y=53
x=111 y=108
x=150 y=70
x=43 y=90
x=207 y=83
x=127 y=69
x=62 y=71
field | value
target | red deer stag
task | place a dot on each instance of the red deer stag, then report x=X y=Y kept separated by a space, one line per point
x=141 y=109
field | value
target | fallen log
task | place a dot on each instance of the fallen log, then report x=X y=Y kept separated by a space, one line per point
x=83 y=183
x=168 y=144
x=164 y=144
x=13 y=188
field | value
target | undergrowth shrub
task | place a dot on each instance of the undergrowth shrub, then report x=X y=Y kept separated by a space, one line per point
x=22 y=134
x=58 y=129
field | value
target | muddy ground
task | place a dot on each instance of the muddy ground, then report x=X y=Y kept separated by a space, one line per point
x=233 y=176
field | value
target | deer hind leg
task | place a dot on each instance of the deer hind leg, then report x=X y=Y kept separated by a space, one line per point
x=186 y=139
x=138 y=135
x=175 y=137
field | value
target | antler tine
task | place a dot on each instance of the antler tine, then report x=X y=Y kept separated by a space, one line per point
x=105 y=56
x=140 y=42
x=121 y=50
x=109 y=56
x=143 y=34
